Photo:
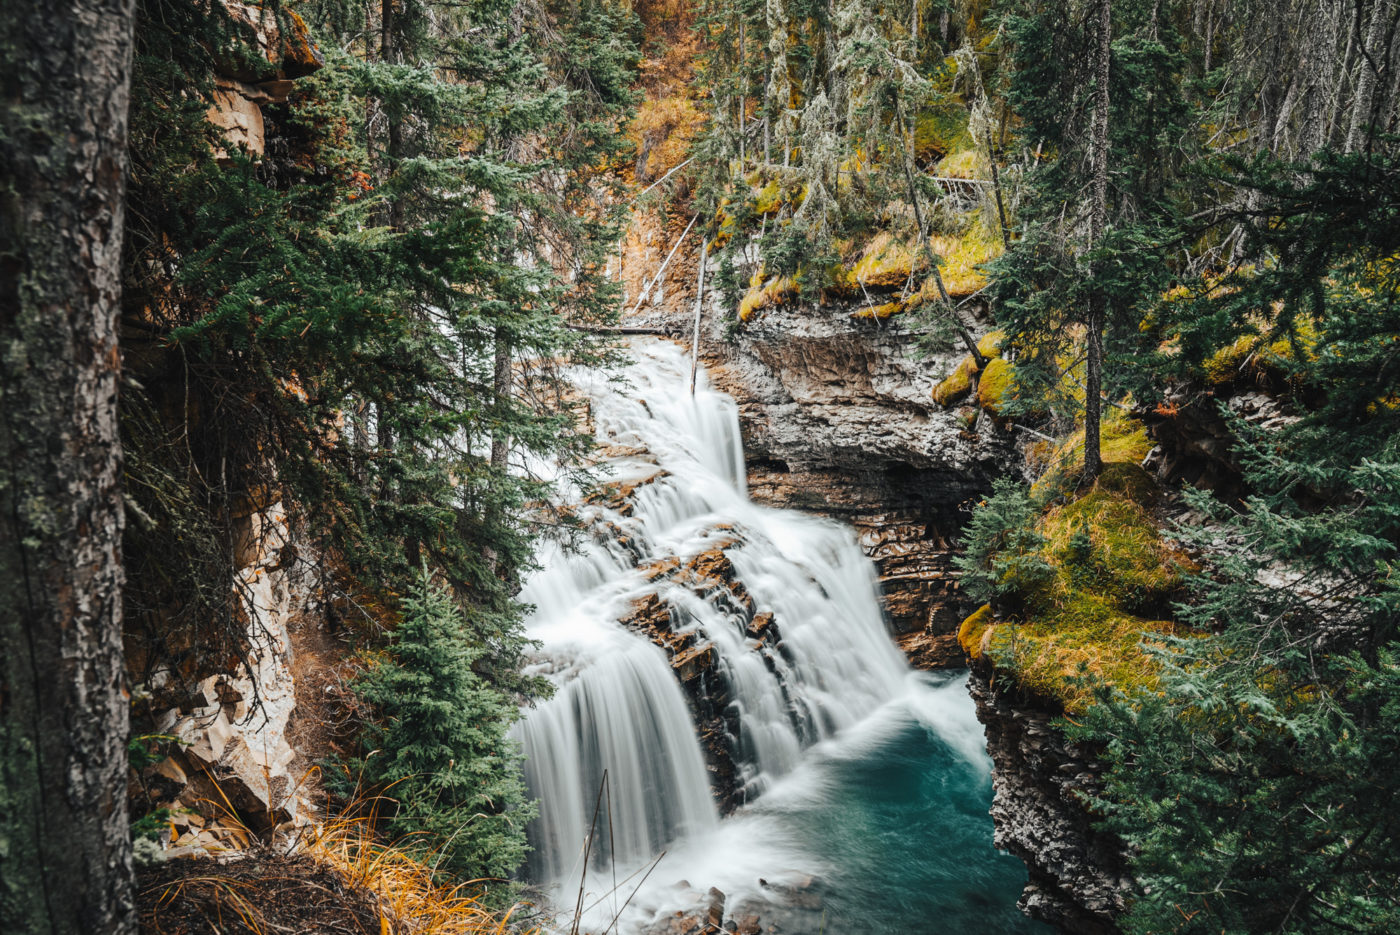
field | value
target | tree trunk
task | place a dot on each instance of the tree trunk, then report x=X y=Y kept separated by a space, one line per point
x=1098 y=220
x=65 y=843
x=500 y=439
x=388 y=53
x=963 y=331
x=1363 y=106
x=743 y=91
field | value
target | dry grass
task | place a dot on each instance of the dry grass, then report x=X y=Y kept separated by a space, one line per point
x=665 y=128
x=962 y=164
x=407 y=896
x=262 y=894
x=340 y=881
x=886 y=263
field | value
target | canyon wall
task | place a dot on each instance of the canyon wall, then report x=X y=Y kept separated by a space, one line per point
x=839 y=420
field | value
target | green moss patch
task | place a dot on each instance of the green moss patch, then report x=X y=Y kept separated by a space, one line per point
x=1090 y=590
x=1122 y=440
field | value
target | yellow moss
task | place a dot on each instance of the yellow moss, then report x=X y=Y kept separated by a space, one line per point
x=1122 y=439
x=938 y=131
x=960 y=164
x=879 y=312
x=994 y=385
x=1053 y=657
x=728 y=225
x=763 y=295
x=974 y=630
x=957 y=384
x=1250 y=356
x=1124 y=554
x=885 y=263
x=769 y=199
x=990 y=345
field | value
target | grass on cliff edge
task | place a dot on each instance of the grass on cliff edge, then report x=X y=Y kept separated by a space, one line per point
x=1088 y=588
x=341 y=879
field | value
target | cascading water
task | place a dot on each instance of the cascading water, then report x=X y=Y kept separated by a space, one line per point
x=679 y=469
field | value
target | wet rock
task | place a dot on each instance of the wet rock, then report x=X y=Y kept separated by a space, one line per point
x=1078 y=874
x=839 y=420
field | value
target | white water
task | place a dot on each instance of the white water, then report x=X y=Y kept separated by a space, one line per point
x=618 y=705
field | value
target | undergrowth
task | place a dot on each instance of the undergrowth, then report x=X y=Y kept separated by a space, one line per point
x=1075 y=580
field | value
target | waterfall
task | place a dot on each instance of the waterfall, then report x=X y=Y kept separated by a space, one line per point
x=618 y=706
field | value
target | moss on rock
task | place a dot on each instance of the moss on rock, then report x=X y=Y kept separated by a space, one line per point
x=1110 y=573
x=957 y=384
x=994 y=385
x=763 y=295
x=974 y=630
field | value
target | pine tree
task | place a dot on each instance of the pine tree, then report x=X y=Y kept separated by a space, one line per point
x=1257 y=786
x=1101 y=97
x=439 y=747
x=370 y=322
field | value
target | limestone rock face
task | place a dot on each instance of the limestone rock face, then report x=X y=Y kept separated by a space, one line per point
x=839 y=419
x=1078 y=876
x=233 y=754
x=244 y=84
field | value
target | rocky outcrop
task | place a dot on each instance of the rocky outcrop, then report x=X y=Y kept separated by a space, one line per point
x=839 y=419
x=1041 y=782
x=791 y=907
x=244 y=84
x=1195 y=443
x=710 y=575
x=229 y=768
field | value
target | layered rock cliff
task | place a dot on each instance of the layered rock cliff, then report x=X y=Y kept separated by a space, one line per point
x=1041 y=784
x=839 y=420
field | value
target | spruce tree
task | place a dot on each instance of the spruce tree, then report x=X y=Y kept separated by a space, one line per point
x=439 y=747
x=1256 y=788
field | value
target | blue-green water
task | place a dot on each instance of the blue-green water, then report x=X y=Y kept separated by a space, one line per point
x=882 y=831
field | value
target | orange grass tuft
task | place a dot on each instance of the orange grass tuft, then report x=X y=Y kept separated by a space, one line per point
x=409 y=898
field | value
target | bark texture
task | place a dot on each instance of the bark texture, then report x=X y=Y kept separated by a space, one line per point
x=65 y=850
x=1098 y=220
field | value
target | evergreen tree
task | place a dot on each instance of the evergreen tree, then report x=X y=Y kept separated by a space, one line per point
x=1257 y=787
x=370 y=321
x=1101 y=97
x=439 y=747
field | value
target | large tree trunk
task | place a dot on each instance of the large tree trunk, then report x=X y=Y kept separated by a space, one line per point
x=1372 y=59
x=65 y=848
x=1098 y=220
